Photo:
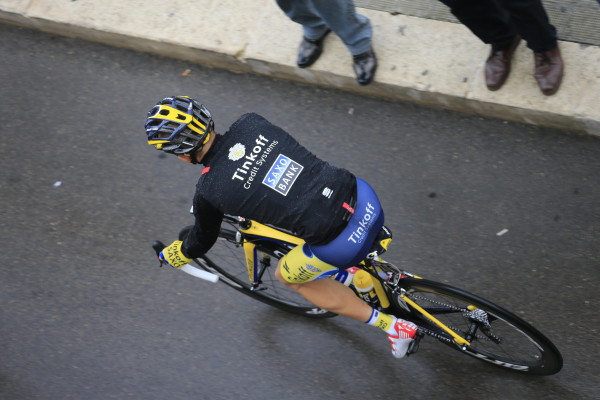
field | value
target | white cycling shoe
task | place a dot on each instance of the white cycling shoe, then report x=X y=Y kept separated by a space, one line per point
x=402 y=338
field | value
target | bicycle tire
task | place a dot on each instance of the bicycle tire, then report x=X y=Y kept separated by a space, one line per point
x=227 y=259
x=510 y=342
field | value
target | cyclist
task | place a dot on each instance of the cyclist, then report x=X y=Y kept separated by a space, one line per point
x=258 y=171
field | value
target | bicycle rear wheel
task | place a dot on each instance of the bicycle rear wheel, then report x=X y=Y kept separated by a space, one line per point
x=495 y=334
x=227 y=259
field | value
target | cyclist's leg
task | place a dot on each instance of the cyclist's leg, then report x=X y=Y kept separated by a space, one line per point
x=304 y=267
x=303 y=272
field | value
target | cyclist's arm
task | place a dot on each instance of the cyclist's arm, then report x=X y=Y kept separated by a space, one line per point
x=206 y=229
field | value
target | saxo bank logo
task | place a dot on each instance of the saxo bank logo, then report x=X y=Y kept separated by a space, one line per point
x=282 y=174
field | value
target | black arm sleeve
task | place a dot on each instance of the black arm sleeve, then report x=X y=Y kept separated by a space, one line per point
x=206 y=229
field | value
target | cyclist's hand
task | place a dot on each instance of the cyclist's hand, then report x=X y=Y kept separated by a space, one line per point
x=173 y=256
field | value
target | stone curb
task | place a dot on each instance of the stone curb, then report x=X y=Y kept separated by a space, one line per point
x=424 y=61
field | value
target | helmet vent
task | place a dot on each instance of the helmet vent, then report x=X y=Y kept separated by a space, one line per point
x=181 y=124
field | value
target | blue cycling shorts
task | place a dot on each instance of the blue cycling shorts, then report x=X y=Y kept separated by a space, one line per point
x=354 y=243
x=308 y=262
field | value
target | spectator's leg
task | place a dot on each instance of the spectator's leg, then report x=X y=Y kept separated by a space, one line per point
x=532 y=23
x=303 y=13
x=486 y=19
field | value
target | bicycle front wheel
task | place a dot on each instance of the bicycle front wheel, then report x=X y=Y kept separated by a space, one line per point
x=227 y=259
x=495 y=335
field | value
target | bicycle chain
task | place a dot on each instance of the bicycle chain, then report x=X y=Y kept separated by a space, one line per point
x=489 y=337
x=435 y=335
x=454 y=308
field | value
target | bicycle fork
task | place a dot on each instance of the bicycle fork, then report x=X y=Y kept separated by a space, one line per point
x=255 y=271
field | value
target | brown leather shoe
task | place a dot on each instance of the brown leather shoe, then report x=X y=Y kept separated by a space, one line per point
x=549 y=70
x=497 y=66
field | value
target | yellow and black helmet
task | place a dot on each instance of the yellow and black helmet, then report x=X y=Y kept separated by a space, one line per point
x=179 y=125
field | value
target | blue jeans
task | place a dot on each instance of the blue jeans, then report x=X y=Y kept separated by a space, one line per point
x=316 y=16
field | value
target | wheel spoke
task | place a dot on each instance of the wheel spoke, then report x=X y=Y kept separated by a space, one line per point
x=494 y=334
x=227 y=258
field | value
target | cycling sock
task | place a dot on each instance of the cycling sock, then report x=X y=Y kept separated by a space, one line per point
x=384 y=321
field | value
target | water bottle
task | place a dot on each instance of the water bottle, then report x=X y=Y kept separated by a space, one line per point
x=363 y=282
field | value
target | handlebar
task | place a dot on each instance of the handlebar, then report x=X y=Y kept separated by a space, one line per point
x=159 y=246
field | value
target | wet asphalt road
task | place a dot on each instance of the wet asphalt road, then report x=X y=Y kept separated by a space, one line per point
x=87 y=314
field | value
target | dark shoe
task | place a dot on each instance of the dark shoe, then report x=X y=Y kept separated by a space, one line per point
x=310 y=50
x=365 y=65
x=497 y=66
x=549 y=70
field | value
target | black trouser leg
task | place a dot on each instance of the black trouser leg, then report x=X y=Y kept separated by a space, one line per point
x=496 y=22
x=486 y=19
x=531 y=21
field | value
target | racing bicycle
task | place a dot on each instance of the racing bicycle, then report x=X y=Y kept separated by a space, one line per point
x=246 y=254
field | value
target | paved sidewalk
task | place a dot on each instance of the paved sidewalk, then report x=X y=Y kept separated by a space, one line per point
x=424 y=57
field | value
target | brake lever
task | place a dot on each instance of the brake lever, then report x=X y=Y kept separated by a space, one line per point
x=158 y=246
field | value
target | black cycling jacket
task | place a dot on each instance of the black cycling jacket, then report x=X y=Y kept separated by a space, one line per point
x=258 y=171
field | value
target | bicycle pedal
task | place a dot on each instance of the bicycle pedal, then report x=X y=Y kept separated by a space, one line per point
x=414 y=345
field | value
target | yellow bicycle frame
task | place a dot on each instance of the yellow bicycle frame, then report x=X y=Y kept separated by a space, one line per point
x=264 y=231
x=458 y=339
x=258 y=229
